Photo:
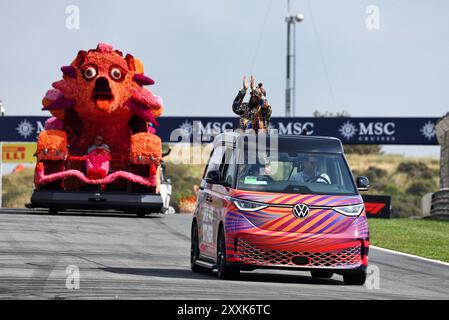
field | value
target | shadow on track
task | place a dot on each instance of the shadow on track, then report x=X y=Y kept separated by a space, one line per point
x=79 y=213
x=244 y=276
x=160 y=272
x=286 y=278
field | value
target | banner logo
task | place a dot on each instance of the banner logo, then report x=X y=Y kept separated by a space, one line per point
x=186 y=128
x=368 y=131
x=25 y=128
x=428 y=130
x=347 y=130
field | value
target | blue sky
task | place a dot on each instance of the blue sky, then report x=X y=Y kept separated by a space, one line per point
x=198 y=50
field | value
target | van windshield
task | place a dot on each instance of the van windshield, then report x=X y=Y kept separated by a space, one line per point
x=297 y=172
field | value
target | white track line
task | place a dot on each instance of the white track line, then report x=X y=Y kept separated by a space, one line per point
x=410 y=255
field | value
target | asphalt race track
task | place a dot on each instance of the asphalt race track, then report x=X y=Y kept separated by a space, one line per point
x=123 y=257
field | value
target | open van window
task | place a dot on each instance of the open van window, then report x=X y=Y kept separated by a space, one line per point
x=297 y=172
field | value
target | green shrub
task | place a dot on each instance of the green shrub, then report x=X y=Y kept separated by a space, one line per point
x=415 y=169
x=391 y=189
x=421 y=187
x=362 y=149
x=375 y=174
x=403 y=205
x=17 y=188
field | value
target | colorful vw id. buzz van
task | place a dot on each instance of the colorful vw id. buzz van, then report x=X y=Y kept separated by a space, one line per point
x=284 y=202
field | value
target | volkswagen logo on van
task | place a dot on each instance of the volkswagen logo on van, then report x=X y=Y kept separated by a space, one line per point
x=301 y=210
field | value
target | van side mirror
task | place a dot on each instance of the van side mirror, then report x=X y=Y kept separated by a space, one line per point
x=362 y=183
x=214 y=177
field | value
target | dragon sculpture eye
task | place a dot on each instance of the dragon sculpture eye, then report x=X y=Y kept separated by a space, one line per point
x=116 y=74
x=90 y=73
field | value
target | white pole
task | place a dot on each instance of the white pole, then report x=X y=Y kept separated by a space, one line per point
x=2 y=113
x=1 y=175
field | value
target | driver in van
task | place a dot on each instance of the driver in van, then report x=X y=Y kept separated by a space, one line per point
x=310 y=172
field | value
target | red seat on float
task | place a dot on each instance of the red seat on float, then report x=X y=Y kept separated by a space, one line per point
x=97 y=163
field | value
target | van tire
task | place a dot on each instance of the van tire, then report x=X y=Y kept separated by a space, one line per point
x=195 y=251
x=225 y=271
x=355 y=279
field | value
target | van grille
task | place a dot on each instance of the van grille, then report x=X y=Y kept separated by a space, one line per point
x=346 y=258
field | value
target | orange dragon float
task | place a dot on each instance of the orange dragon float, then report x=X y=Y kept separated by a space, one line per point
x=100 y=148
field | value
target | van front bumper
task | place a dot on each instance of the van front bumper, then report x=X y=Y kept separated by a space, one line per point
x=252 y=247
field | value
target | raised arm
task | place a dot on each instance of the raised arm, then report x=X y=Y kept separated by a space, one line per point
x=237 y=104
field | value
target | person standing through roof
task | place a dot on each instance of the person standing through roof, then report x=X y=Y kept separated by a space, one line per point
x=266 y=108
x=254 y=114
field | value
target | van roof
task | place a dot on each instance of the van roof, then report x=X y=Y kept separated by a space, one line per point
x=300 y=143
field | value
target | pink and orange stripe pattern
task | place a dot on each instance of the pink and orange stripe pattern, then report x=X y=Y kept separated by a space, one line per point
x=278 y=215
x=276 y=228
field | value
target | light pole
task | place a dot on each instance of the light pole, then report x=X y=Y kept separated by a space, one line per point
x=291 y=21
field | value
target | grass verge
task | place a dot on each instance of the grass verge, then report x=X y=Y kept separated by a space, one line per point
x=426 y=238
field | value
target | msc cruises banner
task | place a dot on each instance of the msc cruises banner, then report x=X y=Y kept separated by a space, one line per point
x=418 y=131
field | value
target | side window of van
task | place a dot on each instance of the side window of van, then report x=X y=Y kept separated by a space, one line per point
x=229 y=167
x=215 y=160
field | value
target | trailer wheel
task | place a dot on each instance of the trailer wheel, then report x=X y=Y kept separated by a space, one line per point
x=141 y=213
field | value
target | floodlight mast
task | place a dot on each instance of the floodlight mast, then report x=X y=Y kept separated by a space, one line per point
x=291 y=20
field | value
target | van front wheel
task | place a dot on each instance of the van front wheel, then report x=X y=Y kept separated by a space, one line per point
x=225 y=271
x=355 y=279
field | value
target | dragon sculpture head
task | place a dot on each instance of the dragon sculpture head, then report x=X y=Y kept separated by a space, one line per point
x=103 y=83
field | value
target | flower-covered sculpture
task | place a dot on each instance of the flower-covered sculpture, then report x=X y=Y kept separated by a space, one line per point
x=102 y=94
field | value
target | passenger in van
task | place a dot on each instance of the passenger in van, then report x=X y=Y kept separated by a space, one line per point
x=254 y=173
x=310 y=172
x=254 y=114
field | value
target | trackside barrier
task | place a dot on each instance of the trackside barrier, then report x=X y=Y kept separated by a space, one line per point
x=377 y=206
x=410 y=131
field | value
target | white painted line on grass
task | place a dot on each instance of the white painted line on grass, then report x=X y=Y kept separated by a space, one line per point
x=410 y=255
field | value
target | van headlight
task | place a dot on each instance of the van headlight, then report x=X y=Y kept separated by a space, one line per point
x=352 y=211
x=246 y=205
